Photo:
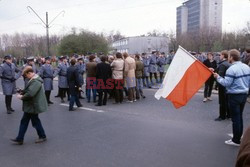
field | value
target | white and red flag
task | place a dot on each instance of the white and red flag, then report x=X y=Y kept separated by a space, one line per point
x=185 y=76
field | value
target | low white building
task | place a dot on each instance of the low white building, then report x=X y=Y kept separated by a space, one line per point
x=141 y=44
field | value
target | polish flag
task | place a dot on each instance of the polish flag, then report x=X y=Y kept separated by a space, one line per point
x=185 y=76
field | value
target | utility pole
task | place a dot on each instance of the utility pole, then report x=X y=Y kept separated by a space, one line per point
x=47 y=32
x=46 y=24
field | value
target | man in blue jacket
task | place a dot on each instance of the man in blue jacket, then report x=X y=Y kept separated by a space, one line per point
x=237 y=82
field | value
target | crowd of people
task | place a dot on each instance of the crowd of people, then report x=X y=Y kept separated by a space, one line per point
x=117 y=76
x=104 y=75
x=113 y=77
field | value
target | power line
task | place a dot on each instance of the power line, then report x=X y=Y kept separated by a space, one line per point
x=99 y=13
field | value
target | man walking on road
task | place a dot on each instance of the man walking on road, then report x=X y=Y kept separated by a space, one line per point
x=236 y=81
x=34 y=103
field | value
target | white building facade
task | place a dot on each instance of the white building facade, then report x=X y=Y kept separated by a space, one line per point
x=141 y=44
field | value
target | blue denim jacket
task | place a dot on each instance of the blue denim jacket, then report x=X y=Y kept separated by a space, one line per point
x=237 y=79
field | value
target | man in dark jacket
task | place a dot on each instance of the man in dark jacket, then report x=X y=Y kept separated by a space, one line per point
x=223 y=102
x=210 y=63
x=138 y=75
x=74 y=85
x=34 y=103
x=91 y=78
x=103 y=73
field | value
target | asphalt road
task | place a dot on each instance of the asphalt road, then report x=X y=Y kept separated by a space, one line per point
x=147 y=133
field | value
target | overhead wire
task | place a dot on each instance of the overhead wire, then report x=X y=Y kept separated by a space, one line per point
x=87 y=3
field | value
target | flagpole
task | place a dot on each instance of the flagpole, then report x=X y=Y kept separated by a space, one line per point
x=187 y=52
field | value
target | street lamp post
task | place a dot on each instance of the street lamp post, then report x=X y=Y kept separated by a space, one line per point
x=46 y=24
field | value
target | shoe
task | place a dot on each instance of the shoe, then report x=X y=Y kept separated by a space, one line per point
x=104 y=104
x=81 y=97
x=135 y=100
x=17 y=142
x=219 y=119
x=88 y=101
x=80 y=105
x=94 y=101
x=230 y=142
x=210 y=99
x=115 y=103
x=72 y=109
x=143 y=97
x=205 y=100
x=50 y=102
x=57 y=96
x=40 y=140
x=9 y=112
x=62 y=101
x=12 y=110
x=98 y=105
x=130 y=101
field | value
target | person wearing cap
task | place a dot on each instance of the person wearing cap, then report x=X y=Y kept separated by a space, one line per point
x=47 y=73
x=170 y=57
x=62 y=77
x=30 y=62
x=145 y=61
x=81 y=70
x=153 y=67
x=91 y=78
x=138 y=74
x=161 y=62
x=9 y=73
x=34 y=103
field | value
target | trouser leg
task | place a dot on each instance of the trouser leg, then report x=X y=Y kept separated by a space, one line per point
x=47 y=94
x=130 y=97
x=105 y=96
x=61 y=93
x=36 y=123
x=147 y=82
x=237 y=103
x=211 y=84
x=78 y=103
x=23 y=126
x=100 y=92
x=72 y=101
x=8 y=101
x=206 y=90
x=156 y=77
x=161 y=76
x=151 y=78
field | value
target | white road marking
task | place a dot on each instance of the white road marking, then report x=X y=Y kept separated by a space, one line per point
x=85 y=108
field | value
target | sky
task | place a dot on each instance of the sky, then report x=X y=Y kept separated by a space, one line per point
x=130 y=17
